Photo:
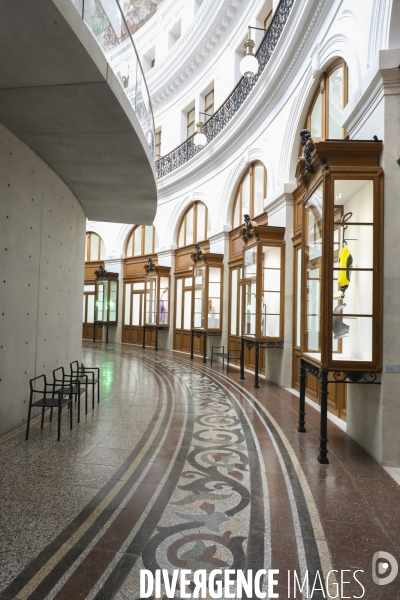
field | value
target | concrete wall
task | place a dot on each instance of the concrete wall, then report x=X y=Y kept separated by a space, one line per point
x=42 y=233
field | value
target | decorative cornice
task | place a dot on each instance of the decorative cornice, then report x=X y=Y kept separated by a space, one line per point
x=180 y=64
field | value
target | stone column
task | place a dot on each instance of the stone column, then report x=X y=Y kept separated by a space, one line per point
x=278 y=368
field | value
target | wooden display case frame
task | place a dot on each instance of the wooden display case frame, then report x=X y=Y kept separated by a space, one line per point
x=154 y=271
x=323 y=163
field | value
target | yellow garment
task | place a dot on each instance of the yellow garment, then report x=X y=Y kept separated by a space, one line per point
x=345 y=263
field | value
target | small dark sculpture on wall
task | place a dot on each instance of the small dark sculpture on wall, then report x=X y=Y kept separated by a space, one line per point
x=198 y=253
x=101 y=271
x=151 y=266
x=308 y=147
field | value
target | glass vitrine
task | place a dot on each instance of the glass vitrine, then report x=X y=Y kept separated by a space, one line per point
x=157 y=295
x=207 y=291
x=106 y=297
x=342 y=249
x=263 y=284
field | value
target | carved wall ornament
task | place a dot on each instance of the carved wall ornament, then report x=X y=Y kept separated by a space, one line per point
x=150 y=266
x=198 y=254
x=101 y=271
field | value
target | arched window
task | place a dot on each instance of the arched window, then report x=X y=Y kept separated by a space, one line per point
x=250 y=194
x=142 y=240
x=194 y=225
x=324 y=118
x=95 y=249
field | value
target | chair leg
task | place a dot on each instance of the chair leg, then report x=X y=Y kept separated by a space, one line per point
x=86 y=402
x=98 y=391
x=51 y=415
x=92 y=396
x=29 y=420
x=41 y=425
x=59 y=423
x=78 y=397
x=212 y=354
x=70 y=414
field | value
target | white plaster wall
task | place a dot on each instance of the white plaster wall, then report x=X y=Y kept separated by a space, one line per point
x=42 y=233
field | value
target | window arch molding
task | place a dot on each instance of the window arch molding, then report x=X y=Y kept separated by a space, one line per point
x=141 y=241
x=193 y=225
x=250 y=194
x=95 y=248
x=323 y=118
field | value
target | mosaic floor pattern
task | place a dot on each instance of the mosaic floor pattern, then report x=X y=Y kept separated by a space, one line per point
x=182 y=467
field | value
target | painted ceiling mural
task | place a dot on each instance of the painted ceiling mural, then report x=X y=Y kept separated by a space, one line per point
x=138 y=12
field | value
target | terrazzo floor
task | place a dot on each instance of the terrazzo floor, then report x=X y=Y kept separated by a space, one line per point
x=183 y=467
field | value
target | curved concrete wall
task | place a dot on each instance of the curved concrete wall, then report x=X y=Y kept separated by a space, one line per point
x=42 y=233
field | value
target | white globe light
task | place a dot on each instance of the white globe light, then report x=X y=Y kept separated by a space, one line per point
x=200 y=138
x=249 y=63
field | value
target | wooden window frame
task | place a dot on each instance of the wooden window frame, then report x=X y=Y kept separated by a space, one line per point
x=209 y=107
x=183 y=224
x=190 y=124
x=238 y=197
x=158 y=143
x=130 y=243
x=89 y=235
x=323 y=88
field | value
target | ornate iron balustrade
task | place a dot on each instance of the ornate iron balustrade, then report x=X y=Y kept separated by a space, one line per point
x=226 y=112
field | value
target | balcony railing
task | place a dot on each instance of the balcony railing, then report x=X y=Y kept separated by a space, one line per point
x=108 y=24
x=227 y=111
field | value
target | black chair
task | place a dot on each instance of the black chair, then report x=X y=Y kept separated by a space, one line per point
x=231 y=354
x=51 y=397
x=79 y=372
x=77 y=385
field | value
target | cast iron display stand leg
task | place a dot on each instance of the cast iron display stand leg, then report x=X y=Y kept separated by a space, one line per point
x=144 y=338
x=323 y=438
x=156 y=348
x=242 y=358
x=257 y=351
x=107 y=333
x=302 y=407
x=191 y=346
x=205 y=348
x=94 y=331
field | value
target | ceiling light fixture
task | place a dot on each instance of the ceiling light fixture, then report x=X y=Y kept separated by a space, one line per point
x=200 y=138
x=249 y=63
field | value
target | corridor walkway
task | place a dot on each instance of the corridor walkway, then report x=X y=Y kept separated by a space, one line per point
x=183 y=467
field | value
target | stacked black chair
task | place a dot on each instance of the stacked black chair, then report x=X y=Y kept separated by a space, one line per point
x=79 y=372
x=51 y=396
x=78 y=386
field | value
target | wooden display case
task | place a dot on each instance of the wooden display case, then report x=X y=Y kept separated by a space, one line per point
x=207 y=296
x=339 y=319
x=263 y=294
x=156 y=301
x=106 y=299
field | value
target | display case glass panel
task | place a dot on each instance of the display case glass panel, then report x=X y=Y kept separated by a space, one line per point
x=113 y=301
x=234 y=298
x=199 y=278
x=187 y=309
x=313 y=271
x=214 y=298
x=298 y=298
x=250 y=289
x=178 y=304
x=353 y=270
x=128 y=294
x=271 y=291
x=101 y=301
x=164 y=301
x=150 y=317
